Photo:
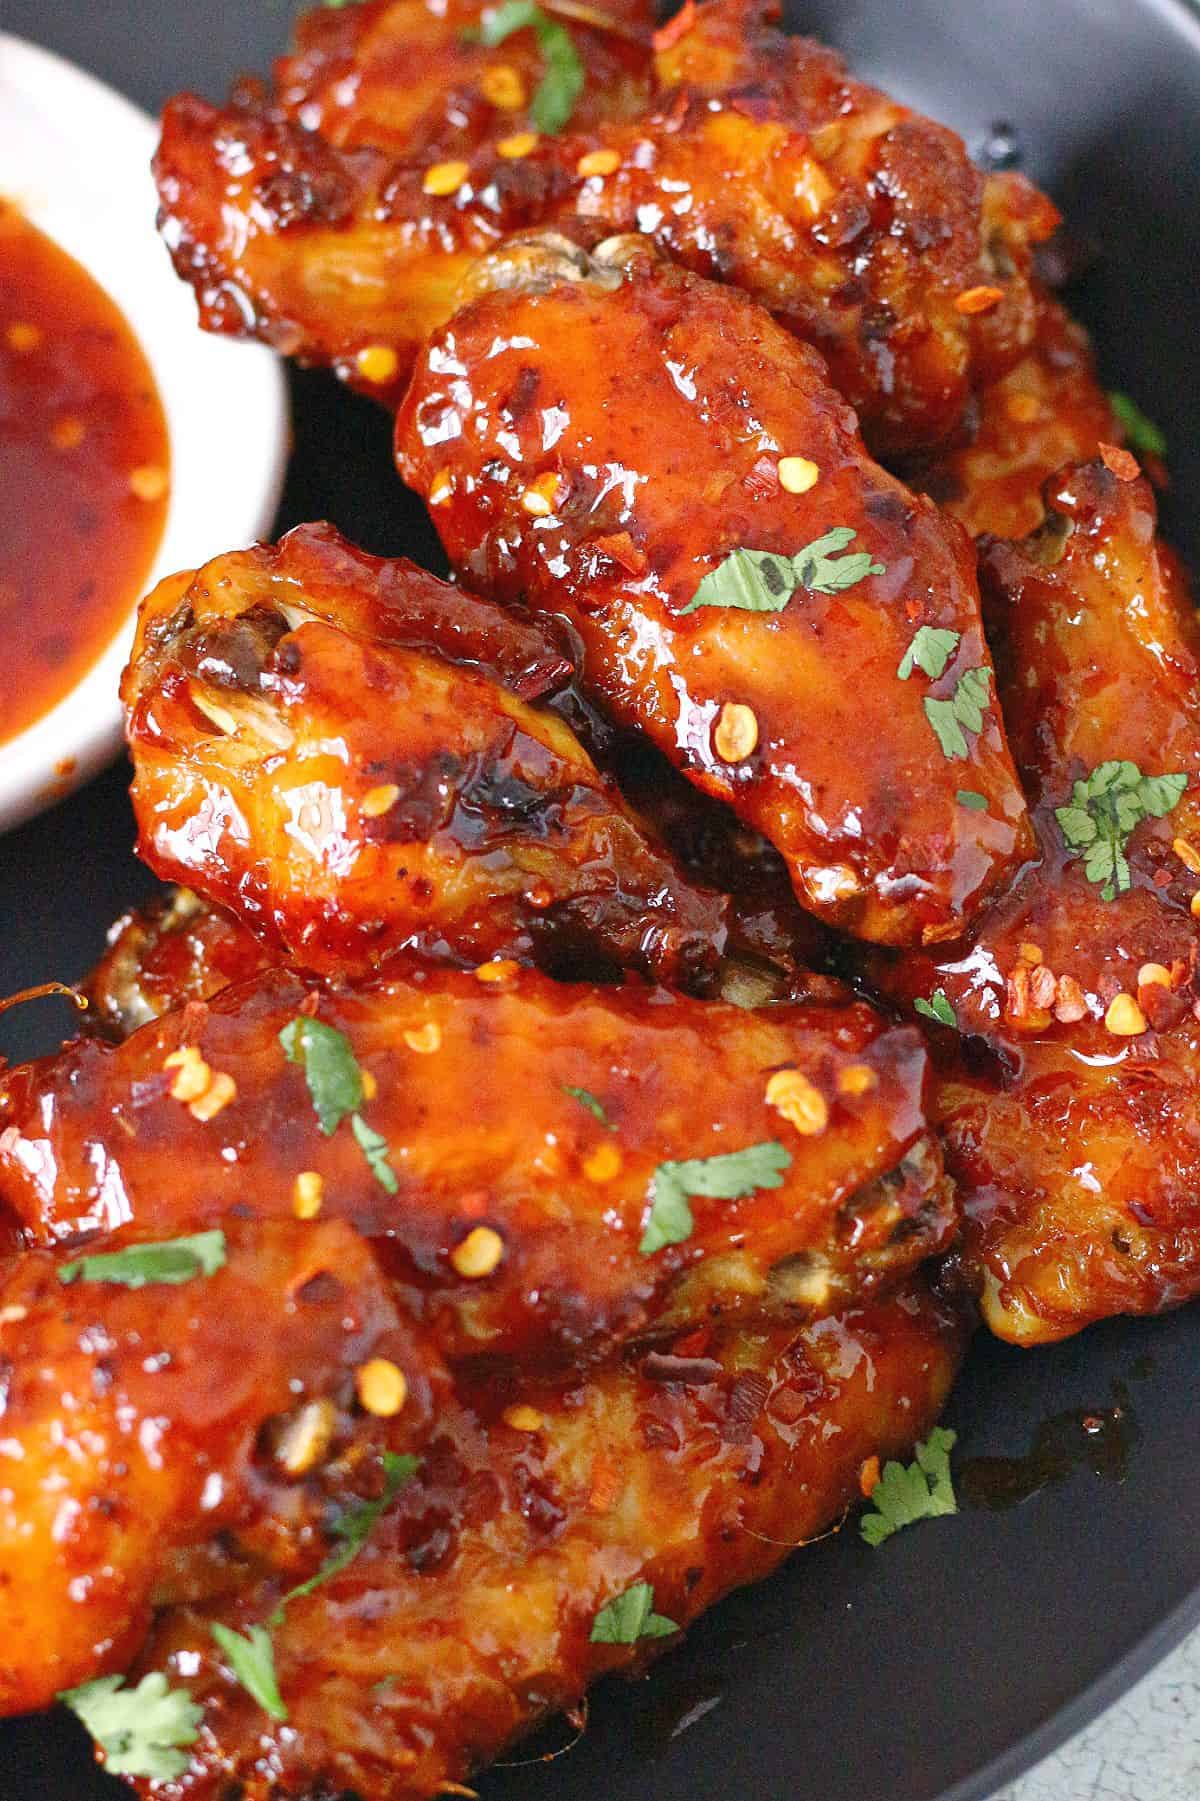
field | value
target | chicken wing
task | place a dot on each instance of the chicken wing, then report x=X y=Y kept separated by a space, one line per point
x=471 y=1613
x=134 y=1423
x=304 y=761
x=648 y=455
x=1069 y=1101
x=1048 y=411
x=556 y=1167
x=173 y=950
x=758 y=161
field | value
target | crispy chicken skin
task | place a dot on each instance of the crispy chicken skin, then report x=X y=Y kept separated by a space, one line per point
x=758 y=160
x=1047 y=411
x=471 y=1088
x=693 y=1472
x=173 y=950
x=132 y=1420
x=605 y=486
x=345 y=794
x=1073 y=1128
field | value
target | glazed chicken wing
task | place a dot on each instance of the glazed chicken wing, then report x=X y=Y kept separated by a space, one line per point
x=472 y=1611
x=647 y=454
x=1069 y=1102
x=1047 y=411
x=313 y=757
x=555 y=1167
x=340 y=229
x=134 y=1421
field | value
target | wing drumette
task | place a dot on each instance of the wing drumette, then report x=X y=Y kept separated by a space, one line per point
x=540 y=1154
x=317 y=751
x=759 y=161
x=472 y=1611
x=649 y=455
x=1069 y=1103
x=145 y=1423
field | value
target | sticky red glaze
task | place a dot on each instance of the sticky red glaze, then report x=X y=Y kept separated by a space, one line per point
x=346 y=794
x=173 y=950
x=79 y=412
x=1076 y=1148
x=668 y=443
x=468 y=1616
x=130 y=1423
x=1049 y=410
x=757 y=160
x=481 y=1131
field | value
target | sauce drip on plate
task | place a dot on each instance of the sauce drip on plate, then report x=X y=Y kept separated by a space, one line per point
x=84 y=471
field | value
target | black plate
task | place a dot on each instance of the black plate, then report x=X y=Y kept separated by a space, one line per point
x=944 y=1663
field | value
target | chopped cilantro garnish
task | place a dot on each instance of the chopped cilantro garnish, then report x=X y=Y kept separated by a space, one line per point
x=906 y=1493
x=1141 y=433
x=930 y=651
x=564 y=76
x=374 y=1148
x=967 y=797
x=252 y=1660
x=1105 y=807
x=335 y=1083
x=724 y=1178
x=762 y=581
x=962 y=712
x=630 y=1617
x=141 y=1730
x=330 y=1069
x=937 y=1008
x=587 y=1099
x=173 y=1260
x=354 y=1527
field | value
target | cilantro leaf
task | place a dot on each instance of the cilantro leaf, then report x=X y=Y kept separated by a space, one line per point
x=252 y=1660
x=725 y=1178
x=141 y=1730
x=975 y=803
x=173 y=1260
x=763 y=581
x=905 y=1493
x=962 y=712
x=937 y=1008
x=930 y=651
x=330 y=1069
x=374 y=1148
x=630 y=1617
x=1103 y=811
x=587 y=1099
x=563 y=79
x=1141 y=433
x=354 y=1527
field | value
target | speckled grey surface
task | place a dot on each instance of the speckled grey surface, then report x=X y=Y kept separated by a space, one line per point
x=1145 y=1748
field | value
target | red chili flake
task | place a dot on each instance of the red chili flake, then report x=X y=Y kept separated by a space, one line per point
x=694 y=1344
x=675 y=28
x=1162 y=878
x=1121 y=463
x=868 y=1477
x=763 y=478
x=978 y=300
x=746 y=1400
x=620 y=548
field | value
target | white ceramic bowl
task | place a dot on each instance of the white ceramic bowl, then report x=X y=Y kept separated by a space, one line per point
x=75 y=158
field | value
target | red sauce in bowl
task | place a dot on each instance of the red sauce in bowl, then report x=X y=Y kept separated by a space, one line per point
x=84 y=471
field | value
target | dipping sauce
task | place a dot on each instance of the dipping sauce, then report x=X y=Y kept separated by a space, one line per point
x=84 y=471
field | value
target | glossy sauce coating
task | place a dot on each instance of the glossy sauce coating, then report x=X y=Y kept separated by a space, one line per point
x=1075 y=1140
x=467 y=1617
x=173 y=950
x=1047 y=411
x=347 y=795
x=470 y=1089
x=757 y=160
x=130 y=1424
x=650 y=411
x=83 y=447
